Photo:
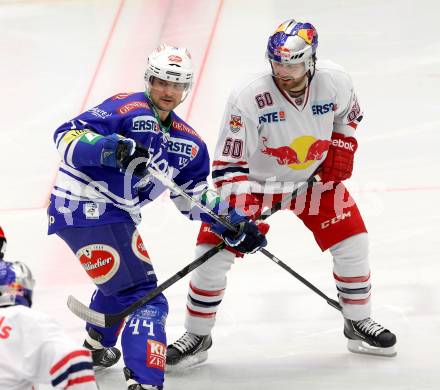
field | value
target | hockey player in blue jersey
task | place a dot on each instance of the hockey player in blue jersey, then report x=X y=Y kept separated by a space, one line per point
x=96 y=200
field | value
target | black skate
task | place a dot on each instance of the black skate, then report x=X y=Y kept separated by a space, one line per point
x=102 y=357
x=368 y=337
x=188 y=351
x=133 y=385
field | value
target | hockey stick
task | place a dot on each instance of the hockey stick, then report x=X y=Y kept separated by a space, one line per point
x=283 y=265
x=106 y=320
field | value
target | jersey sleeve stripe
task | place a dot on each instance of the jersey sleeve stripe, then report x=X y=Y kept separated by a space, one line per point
x=80 y=380
x=59 y=137
x=221 y=172
x=217 y=163
x=354 y=125
x=230 y=180
x=74 y=371
x=68 y=357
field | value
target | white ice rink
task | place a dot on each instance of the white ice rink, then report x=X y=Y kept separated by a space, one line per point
x=59 y=57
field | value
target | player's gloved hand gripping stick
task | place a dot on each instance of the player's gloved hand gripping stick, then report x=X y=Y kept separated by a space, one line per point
x=131 y=157
x=107 y=320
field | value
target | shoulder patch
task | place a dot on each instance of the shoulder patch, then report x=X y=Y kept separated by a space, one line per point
x=131 y=106
x=180 y=126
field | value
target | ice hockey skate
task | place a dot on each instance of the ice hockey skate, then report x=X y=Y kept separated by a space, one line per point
x=368 y=337
x=102 y=357
x=133 y=385
x=188 y=351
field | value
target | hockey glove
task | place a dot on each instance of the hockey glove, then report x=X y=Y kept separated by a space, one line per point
x=119 y=152
x=338 y=165
x=247 y=239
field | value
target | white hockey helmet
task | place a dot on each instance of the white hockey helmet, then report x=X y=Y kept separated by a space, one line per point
x=172 y=64
x=16 y=284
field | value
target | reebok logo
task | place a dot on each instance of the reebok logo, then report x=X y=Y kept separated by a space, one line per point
x=339 y=143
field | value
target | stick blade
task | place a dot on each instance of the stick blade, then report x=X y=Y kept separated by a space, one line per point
x=85 y=313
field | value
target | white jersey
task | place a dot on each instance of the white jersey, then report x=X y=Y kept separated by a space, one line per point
x=268 y=139
x=34 y=349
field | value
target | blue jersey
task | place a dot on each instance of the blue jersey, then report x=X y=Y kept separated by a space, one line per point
x=89 y=194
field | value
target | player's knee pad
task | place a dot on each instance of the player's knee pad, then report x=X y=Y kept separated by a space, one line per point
x=144 y=342
x=352 y=253
x=213 y=271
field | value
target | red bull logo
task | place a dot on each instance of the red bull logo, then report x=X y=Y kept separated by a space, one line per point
x=285 y=155
x=283 y=52
x=306 y=34
x=300 y=154
x=235 y=123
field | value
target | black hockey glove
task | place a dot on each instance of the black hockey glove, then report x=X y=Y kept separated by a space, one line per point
x=125 y=154
x=248 y=239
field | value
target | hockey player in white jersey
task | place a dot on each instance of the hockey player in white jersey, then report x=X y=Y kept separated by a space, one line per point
x=280 y=128
x=2 y=243
x=33 y=348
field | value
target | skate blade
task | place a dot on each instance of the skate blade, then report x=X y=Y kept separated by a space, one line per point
x=358 y=346
x=188 y=362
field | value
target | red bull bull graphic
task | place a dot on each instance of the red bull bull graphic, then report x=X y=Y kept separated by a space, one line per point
x=300 y=154
x=285 y=155
x=317 y=149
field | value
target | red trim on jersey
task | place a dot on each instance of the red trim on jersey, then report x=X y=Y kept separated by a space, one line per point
x=355 y=301
x=353 y=125
x=352 y=279
x=231 y=180
x=315 y=215
x=68 y=357
x=289 y=99
x=200 y=314
x=206 y=293
x=80 y=380
x=219 y=162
